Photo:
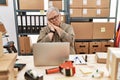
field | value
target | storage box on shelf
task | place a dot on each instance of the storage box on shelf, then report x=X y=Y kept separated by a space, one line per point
x=25 y=45
x=31 y=5
x=81 y=47
x=83 y=30
x=56 y=3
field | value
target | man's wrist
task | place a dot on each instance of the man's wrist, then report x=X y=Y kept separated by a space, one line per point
x=52 y=31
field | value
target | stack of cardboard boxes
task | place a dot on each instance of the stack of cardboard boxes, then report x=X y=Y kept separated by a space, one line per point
x=89 y=8
x=92 y=31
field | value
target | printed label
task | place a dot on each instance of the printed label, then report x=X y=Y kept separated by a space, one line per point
x=71 y=2
x=84 y=11
x=102 y=29
x=71 y=11
x=84 y=2
x=98 y=2
x=98 y=11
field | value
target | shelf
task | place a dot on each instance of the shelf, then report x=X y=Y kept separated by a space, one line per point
x=74 y=19
x=89 y=40
x=35 y=10
x=28 y=34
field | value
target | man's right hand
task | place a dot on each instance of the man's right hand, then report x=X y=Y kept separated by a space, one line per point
x=50 y=26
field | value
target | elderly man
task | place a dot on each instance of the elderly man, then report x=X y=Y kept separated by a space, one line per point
x=56 y=30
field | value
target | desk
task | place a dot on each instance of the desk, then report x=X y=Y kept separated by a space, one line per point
x=28 y=60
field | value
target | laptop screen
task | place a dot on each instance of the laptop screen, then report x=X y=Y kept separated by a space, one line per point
x=50 y=53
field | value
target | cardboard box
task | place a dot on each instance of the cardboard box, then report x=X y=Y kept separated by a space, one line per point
x=88 y=12
x=31 y=4
x=25 y=45
x=22 y=45
x=103 y=30
x=75 y=3
x=81 y=45
x=89 y=3
x=102 y=12
x=101 y=57
x=2 y=28
x=82 y=51
x=105 y=45
x=113 y=63
x=75 y=12
x=56 y=3
x=83 y=30
x=102 y=3
x=94 y=47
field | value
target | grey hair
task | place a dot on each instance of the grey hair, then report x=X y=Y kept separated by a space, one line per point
x=52 y=9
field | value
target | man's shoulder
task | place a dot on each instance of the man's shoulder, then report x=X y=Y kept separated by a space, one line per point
x=44 y=28
x=66 y=25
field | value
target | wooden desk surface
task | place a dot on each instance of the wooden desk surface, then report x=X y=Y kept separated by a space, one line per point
x=28 y=60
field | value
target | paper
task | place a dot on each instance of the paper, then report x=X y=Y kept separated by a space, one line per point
x=77 y=59
x=86 y=70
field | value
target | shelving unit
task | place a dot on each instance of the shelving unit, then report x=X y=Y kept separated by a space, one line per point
x=27 y=22
x=39 y=20
x=91 y=19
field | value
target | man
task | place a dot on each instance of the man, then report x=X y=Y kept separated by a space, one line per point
x=56 y=31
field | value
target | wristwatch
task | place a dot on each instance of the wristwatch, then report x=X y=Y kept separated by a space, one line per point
x=52 y=31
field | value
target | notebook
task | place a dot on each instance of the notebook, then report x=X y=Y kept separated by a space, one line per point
x=50 y=53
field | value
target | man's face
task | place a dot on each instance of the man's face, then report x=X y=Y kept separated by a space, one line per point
x=54 y=18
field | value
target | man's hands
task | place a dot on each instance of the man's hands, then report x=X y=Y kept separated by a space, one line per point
x=54 y=28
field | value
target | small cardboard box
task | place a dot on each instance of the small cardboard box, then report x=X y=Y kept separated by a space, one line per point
x=81 y=45
x=82 y=51
x=89 y=3
x=101 y=57
x=75 y=3
x=83 y=30
x=103 y=30
x=25 y=45
x=114 y=63
x=56 y=3
x=22 y=45
x=94 y=47
x=31 y=4
x=102 y=12
x=75 y=12
x=105 y=45
x=88 y=12
x=102 y=3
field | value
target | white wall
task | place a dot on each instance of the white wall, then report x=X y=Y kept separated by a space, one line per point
x=7 y=18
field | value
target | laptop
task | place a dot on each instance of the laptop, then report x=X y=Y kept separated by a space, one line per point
x=50 y=53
